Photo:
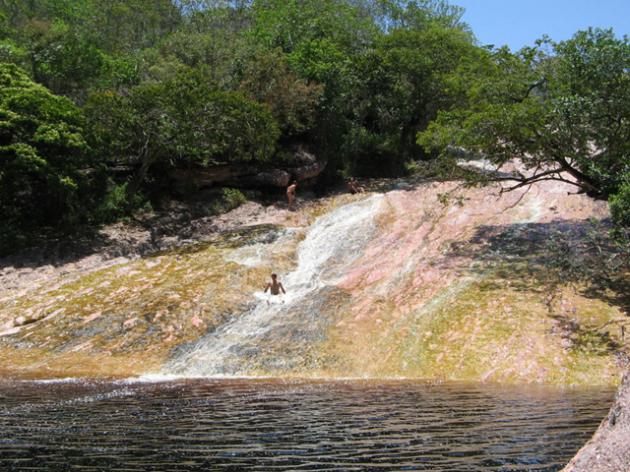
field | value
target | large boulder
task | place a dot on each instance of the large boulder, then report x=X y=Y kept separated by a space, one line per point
x=301 y=165
x=609 y=450
x=270 y=178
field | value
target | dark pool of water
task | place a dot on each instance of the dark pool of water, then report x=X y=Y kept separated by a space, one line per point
x=272 y=426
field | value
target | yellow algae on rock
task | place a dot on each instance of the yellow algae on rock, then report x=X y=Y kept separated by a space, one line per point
x=140 y=311
x=435 y=282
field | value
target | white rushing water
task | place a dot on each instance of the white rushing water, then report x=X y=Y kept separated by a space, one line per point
x=332 y=243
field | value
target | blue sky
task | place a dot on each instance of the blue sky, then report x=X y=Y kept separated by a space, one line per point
x=519 y=23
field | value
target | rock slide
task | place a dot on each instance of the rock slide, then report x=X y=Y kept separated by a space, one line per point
x=433 y=281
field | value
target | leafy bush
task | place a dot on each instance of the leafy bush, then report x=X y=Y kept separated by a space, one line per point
x=41 y=153
x=114 y=204
x=620 y=205
x=12 y=53
x=228 y=199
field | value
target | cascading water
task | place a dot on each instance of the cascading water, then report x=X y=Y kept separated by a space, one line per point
x=432 y=281
x=332 y=243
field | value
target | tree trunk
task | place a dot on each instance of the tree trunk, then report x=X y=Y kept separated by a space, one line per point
x=586 y=182
x=138 y=178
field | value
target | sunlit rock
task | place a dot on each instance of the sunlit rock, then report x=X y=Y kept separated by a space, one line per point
x=427 y=281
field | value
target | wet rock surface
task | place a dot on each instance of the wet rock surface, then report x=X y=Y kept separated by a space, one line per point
x=433 y=281
x=123 y=242
x=106 y=315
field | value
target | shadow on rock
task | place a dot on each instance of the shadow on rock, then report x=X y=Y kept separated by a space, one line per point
x=544 y=256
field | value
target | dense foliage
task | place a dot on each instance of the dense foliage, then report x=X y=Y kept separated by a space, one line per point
x=42 y=149
x=562 y=108
x=102 y=100
x=180 y=121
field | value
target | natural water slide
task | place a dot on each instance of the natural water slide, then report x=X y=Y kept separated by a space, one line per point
x=432 y=282
x=274 y=334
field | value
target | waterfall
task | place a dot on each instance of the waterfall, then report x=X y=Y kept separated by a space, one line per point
x=332 y=243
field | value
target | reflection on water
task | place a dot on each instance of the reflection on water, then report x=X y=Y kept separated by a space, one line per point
x=272 y=425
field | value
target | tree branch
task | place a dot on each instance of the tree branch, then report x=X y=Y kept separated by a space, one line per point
x=529 y=182
x=586 y=181
x=530 y=89
x=523 y=181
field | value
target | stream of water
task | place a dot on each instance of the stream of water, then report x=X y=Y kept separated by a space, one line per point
x=330 y=245
x=265 y=425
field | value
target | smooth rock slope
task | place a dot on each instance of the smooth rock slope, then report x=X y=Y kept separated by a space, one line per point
x=434 y=281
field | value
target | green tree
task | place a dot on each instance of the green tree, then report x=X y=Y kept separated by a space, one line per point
x=113 y=25
x=266 y=78
x=220 y=53
x=562 y=108
x=42 y=150
x=287 y=24
x=400 y=85
x=620 y=204
x=63 y=60
x=322 y=44
x=12 y=53
x=184 y=121
x=130 y=25
x=414 y=14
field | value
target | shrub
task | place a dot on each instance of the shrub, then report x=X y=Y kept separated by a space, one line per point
x=42 y=151
x=620 y=205
x=228 y=199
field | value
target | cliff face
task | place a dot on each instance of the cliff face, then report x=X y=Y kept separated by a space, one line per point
x=431 y=281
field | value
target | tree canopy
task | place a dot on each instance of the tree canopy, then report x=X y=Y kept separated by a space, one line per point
x=562 y=108
x=369 y=86
x=42 y=149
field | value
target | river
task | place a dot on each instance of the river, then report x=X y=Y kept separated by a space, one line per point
x=282 y=425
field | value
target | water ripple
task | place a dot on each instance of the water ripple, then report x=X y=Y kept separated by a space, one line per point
x=303 y=426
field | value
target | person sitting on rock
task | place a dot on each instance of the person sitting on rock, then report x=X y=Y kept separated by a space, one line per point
x=291 y=194
x=354 y=187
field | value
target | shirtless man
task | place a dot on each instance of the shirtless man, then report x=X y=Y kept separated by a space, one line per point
x=354 y=187
x=274 y=286
x=291 y=194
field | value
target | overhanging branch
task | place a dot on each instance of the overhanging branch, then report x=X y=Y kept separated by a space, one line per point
x=528 y=181
x=523 y=180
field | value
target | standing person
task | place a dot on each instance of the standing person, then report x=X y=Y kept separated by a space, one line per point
x=291 y=194
x=275 y=286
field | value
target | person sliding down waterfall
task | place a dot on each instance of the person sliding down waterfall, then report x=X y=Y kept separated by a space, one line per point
x=274 y=286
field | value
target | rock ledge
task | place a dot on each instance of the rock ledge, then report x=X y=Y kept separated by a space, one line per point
x=609 y=449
